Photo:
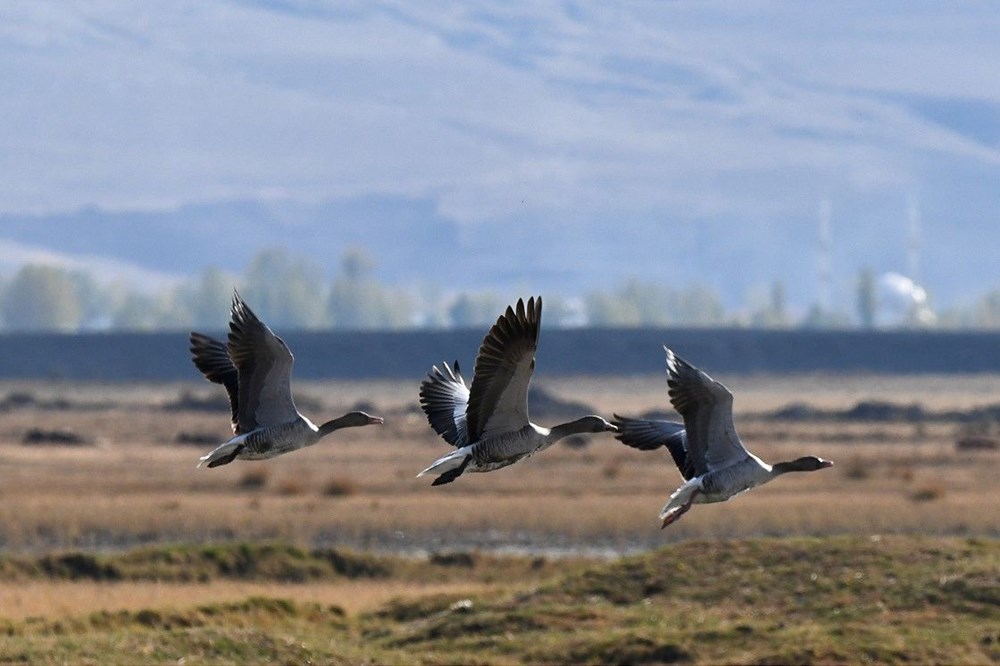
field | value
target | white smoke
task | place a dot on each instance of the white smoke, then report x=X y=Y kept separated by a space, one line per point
x=902 y=303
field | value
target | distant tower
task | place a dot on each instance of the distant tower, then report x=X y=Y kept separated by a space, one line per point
x=823 y=268
x=913 y=241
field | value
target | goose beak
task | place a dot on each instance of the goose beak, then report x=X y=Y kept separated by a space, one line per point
x=375 y=420
x=611 y=427
x=825 y=463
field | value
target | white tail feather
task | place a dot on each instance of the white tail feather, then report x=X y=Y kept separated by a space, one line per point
x=447 y=463
x=220 y=451
x=680 y=497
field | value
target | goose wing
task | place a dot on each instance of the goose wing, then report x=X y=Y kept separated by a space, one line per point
x=212 y=359
x=707 y=408
x=498 y=400
x=264 y=363
x=444 y=397
x=650 y=434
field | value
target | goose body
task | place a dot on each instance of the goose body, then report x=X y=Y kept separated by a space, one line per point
x=255 y=367
x=488 y=423
x=705 y=448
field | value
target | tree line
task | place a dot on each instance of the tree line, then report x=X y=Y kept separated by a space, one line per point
x=291 y=292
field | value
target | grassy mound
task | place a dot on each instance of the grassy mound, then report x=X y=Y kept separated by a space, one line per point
x=272 y=562
x=269 y=561
x=796 y=600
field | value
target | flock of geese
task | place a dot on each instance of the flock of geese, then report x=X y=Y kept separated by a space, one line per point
x=486 y=422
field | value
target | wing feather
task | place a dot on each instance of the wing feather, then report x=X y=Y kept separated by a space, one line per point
x=444 y=398
x=650 y=434
x=707 y=408
x=212 y=359
x=498 y=399
x=264 y=363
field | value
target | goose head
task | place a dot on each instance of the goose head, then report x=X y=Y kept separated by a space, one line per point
x=350 y=420
x=803 y=464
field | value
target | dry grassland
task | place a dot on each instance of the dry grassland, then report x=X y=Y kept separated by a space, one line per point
x=134 y=484
x=137 y=485
x=65 y=599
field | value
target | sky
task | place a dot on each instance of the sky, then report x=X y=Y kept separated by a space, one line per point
x=583 y=119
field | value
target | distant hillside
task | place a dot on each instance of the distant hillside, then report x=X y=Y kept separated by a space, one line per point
x=416 y=246
x=227 y=235
x=554 y=147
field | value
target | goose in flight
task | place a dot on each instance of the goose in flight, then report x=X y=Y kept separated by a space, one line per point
x=255 y=366
x=706 y=449
x=488 y=423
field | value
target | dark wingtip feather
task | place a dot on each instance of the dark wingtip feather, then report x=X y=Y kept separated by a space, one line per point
x=440 y=398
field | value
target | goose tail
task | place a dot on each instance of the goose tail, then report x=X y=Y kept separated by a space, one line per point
x=449 y=467
x=680 y=501
x=221 y=455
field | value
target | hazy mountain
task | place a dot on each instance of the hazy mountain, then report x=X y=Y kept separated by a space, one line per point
x=540 y=146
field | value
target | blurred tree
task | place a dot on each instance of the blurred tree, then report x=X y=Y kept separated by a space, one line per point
x=560 y=312
x=986 y=313
x=149 y=312
x=817 y=317
x=626 y=306
x=604 y=309
x=866 y=298
x=699 y=306
x=135 y=312
x=647 y=304
x=773 y=313
x=41 y=298
x=357 y=301
x=475 y=310
x=95 y=305
x=285 y=291
x=207 y=301
x=429 y=309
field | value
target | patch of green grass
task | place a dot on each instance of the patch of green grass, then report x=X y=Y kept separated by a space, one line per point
x=272 y=561
x=243 y=561
x=794 y=600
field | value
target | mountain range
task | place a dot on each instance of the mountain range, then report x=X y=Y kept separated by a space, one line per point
x=556 y=146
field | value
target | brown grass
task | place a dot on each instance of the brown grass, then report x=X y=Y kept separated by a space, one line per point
x=857 y=468
x=341 y=487
x=253 y=479
x=57 y=599
x=928 y=492
x=291 y=487
x=358 y=487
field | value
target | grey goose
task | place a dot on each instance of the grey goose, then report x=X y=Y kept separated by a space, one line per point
x=487 y=423
x=712 y=460
x=255 y=367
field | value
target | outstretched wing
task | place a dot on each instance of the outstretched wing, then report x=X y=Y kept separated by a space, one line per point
x=707 y=408
x=444 y=397
x=498 y=400
x=264 y=364
x=212 y=359
x=650 y=434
